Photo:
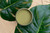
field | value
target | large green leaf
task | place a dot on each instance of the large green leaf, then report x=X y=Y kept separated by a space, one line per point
x=11 y=6
x=40 y=22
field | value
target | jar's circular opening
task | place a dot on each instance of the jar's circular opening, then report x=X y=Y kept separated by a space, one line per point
x=24 y=16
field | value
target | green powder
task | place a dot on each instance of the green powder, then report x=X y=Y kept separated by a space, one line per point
x=23 y=17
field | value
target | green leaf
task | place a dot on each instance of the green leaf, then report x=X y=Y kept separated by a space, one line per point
x=0 y=13
x=12 y=6
x=17 y=31
x=40 y=22
x=5 y=14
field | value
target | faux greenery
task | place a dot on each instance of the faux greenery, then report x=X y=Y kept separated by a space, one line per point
x=40 y=22
x=11 y=7
x=41 y=15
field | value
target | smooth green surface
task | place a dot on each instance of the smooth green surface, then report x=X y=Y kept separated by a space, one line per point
x=11 y=7
x=40 y=22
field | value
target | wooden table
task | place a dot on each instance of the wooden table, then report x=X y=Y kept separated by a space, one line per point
x=9 y=26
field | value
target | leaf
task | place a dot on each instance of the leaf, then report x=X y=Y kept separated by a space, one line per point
x=40 y=22
x=0 y=13
x=12 y=6
x=17 y=31
x=5 y=14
